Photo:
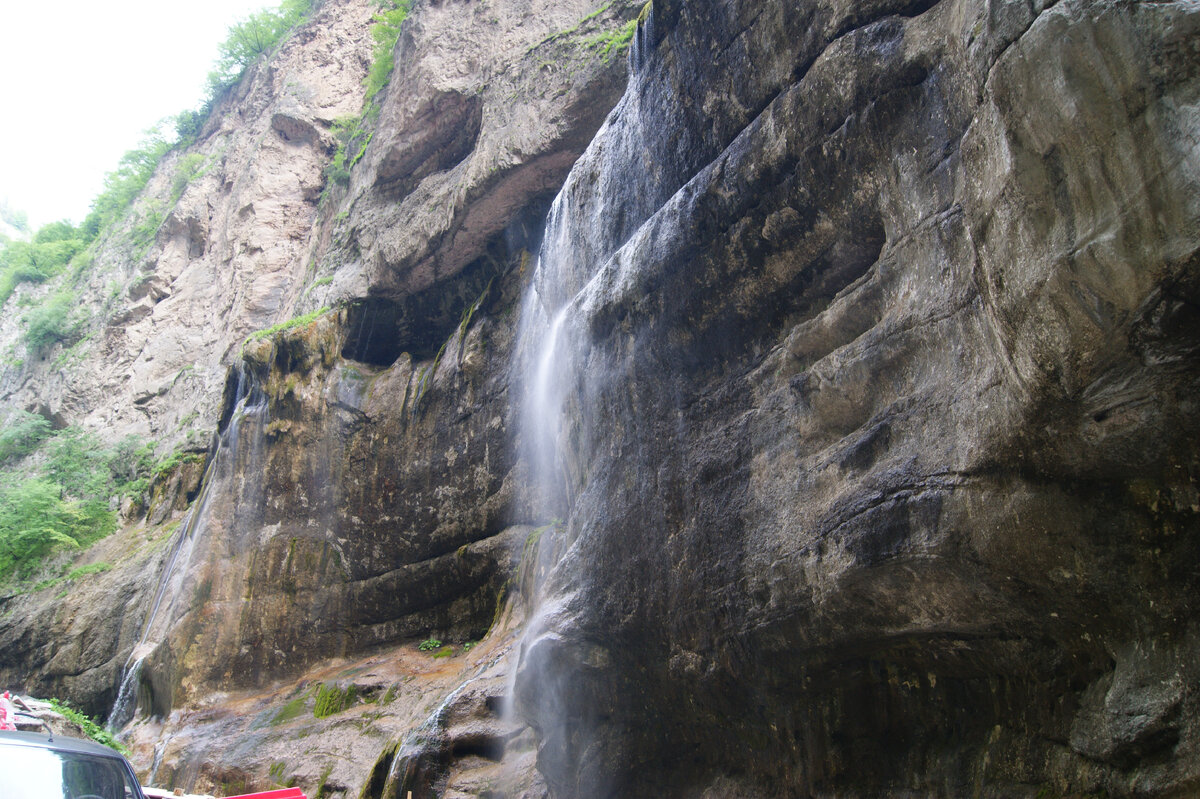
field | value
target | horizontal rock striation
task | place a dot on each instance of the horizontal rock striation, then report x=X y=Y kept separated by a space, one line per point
x=881 y=408
x=878 y=356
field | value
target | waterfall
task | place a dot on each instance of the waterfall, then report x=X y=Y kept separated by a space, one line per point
x=585 y=269
x=548 y=354
x=541 y=328
x=250 y=404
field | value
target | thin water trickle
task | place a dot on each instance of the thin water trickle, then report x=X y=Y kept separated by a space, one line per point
x=413 y=748
x=250 y=403
x=542 y=416
x=160 y=749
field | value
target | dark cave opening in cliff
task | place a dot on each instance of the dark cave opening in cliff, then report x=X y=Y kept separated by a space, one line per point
x=374 y=332
x=490 y=747
x=380 y=329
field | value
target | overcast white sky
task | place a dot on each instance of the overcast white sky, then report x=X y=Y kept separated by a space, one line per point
x=80 y=81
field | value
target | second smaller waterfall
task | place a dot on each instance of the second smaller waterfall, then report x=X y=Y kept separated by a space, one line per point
x=249 y=418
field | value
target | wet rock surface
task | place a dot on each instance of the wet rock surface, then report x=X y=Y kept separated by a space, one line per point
x=368 y=502
x=345 y=727
x=881 y=419
x=353 y=484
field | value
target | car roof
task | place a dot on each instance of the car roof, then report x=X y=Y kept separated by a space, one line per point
x=60 y=743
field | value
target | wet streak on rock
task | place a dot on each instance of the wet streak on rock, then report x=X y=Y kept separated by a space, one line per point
x=375 y=334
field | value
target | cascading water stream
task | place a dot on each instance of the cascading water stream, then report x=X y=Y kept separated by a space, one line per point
x=579 y=237
x=250 y=403
x=590 y=242
x=541 y=417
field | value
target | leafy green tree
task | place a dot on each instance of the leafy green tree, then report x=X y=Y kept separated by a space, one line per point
x=35 y=521
x=35 y=261
x=250 y=39
x=22 y=435
x=64 y=508
x=19 y=262
x=50 y=322
x=123 y=184
x=43 y=257
x=62 y=230
x=131 y=463
x=189 y=123
x=77 y=462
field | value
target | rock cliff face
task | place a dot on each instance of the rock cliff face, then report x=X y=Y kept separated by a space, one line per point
x=833 y=432
x=358 y=491
x=878 y=386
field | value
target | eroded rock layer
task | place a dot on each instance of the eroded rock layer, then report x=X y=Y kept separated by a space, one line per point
x=881 y=408
x=352 y=488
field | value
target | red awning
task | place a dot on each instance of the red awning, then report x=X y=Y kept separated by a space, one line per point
x=282 y=793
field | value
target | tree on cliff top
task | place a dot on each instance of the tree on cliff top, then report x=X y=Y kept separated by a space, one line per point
x=250 y=39
x=126 y=182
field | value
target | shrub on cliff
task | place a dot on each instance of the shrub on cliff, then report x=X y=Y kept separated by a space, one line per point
x=22 y=435
x=65 y=505
x=386 y=32
x=353 y=133
x=50 y=322
x=37 y=260
x=125 y=183
x=89 y=726
x=36 y=520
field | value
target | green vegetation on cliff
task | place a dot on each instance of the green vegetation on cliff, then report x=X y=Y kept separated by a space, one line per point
x=125 y=183
x=89 y=726
x=333 y=699
x=246 y=41
x=41 y=258
x=37 y=520
x=249 y=40
x=290 y=324
x=613 y=42
x=47 y=255
x=23 y=434
x=55 y=246
x=353 y=133
x=50 y=322
x=385 y=32
x=58 y=490
x=352 y=137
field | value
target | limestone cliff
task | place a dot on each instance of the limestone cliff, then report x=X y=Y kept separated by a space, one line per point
x=356 y=488
x=879 y=399
x=833 y=432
